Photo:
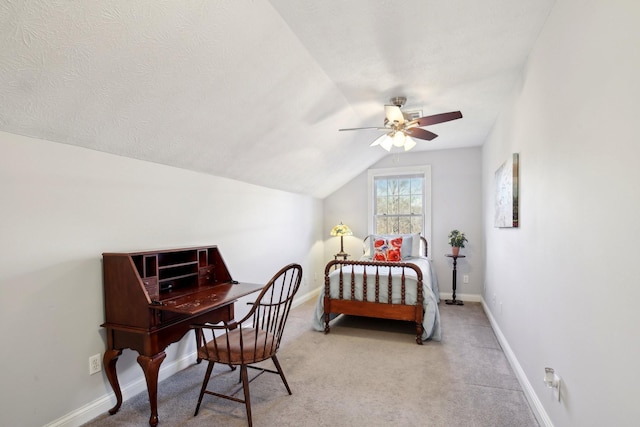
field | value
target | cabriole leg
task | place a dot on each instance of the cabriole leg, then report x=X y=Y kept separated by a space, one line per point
x=151 y=368
x=109 y=362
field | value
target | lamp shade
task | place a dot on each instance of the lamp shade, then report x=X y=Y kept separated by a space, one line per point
x=341 y=230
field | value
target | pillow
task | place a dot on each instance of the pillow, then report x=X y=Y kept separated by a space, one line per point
x=387 y=249
x=415 y=249
x=410 y=244
x=407 y=246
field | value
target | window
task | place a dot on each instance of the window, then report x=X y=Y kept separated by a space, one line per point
x=400 y=201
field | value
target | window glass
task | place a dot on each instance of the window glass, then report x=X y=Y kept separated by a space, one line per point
x=400 y=200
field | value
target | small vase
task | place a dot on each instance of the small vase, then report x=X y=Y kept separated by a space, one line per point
x=455 y=250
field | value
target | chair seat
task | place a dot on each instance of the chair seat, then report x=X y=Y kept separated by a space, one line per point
x=254 y=348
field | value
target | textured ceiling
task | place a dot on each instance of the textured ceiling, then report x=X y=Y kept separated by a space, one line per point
x=255 y=90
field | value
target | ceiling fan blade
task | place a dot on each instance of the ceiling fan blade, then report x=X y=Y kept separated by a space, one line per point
x=372 y=127
x=393 y=114
x=438 y=118
x=421 y=133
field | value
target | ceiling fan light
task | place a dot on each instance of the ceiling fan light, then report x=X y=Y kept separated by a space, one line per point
x=387 y=142
x=378 y=140
x=398 y=139
x=409 y=143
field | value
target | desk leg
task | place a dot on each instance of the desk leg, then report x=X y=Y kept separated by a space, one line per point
x=200 y=341
x=151 y=367
x=109 y=362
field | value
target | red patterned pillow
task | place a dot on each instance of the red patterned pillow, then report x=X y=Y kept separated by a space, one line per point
x=387 y=249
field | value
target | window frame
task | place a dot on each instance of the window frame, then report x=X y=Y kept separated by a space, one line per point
x=425 y=171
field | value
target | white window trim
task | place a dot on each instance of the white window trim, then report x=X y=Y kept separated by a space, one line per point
x=407 y=170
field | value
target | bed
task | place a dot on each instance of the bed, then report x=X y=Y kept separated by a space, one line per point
x=391 y=264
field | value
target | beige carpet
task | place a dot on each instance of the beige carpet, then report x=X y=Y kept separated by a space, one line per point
x=366 y=372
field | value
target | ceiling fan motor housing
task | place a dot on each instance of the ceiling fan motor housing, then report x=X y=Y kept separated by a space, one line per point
x=398 y=101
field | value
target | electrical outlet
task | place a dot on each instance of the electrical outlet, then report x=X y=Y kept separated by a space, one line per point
x=465 y=278
x=95 y=364
x=556 y=390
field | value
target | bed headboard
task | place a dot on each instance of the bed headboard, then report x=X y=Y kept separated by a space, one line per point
x=424 y=246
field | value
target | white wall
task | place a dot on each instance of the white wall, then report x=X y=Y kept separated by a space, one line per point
x=456 y=196
x=566 y=292
x=63 y=206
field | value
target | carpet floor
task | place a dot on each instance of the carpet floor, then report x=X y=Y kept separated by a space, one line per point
x=366 y=372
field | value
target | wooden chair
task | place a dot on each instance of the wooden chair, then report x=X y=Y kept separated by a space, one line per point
x=254 y=338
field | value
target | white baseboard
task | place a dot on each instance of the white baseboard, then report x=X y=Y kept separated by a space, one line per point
x=536 y=406
x=301 y=299
x=462 y=297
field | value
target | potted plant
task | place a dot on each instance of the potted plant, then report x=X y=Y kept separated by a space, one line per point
x=456 y=240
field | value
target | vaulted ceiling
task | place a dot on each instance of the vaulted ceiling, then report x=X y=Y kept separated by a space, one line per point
x=256 y=90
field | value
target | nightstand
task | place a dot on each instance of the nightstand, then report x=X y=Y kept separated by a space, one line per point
x=342 y=255
x=453 y=300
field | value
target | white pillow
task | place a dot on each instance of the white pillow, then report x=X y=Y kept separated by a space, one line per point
x=415 y=248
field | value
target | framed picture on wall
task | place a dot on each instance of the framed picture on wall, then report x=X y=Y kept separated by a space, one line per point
x=506 y=193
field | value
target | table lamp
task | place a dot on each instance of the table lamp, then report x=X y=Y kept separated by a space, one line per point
x=341 y=230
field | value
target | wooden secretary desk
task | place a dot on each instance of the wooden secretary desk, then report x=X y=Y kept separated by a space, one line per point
x=151 y=299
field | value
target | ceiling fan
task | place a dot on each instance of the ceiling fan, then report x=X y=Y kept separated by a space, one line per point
x=400 y=128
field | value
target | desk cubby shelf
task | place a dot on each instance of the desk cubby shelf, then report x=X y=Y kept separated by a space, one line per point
x=164 y=272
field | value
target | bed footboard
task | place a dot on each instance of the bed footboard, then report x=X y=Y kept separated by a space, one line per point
x=369 y=291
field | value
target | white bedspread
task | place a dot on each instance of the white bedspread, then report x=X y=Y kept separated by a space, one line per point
x=431 y=319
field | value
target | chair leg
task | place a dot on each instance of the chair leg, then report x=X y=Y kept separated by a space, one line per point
x=247 y=398
x=207 y=376
x=279 y=368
